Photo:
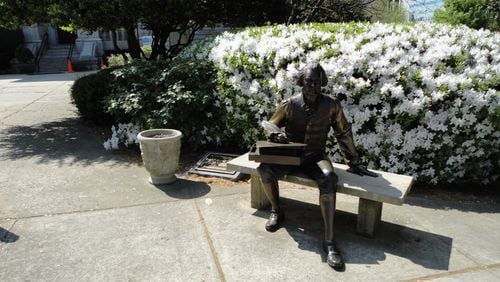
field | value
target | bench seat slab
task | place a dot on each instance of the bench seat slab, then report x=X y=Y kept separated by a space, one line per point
x=372 y=192
x=388 y=187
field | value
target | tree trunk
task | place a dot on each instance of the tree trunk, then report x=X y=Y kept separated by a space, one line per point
x=154 y=45
x=162 y=50
x=158 y=46
x=115 y=40
x=158 y=49
x=133 y=44
x=115 y=45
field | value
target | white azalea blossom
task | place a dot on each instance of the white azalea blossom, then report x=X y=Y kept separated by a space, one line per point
x=422 y=99
x=122 y=133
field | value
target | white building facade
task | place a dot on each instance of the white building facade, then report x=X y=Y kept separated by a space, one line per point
x=87 y=48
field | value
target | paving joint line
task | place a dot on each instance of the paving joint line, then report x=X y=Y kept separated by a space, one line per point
x=106 y=209
x=454 y=272
x=210 y=243
x=32 y=102
x=466 y=256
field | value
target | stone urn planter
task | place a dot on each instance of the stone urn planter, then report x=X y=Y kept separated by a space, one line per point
x=160 y=150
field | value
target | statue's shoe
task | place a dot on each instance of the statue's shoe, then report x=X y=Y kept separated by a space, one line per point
x=333 y=256
x=275 y=220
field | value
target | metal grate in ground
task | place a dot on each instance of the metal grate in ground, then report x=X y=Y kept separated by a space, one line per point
x=214 y=164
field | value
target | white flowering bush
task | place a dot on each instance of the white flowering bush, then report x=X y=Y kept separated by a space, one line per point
x=423 y=99
x=123 y=133
x=174 y=94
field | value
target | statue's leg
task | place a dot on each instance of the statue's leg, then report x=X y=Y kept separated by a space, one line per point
x=269 y=184
x=323 y=173
x=271 y=189
x=272 y=192
x=327 y=205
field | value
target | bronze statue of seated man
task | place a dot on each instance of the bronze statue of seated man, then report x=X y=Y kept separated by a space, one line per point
x=307 y=118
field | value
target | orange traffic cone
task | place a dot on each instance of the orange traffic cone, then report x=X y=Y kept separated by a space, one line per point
x=70 y=67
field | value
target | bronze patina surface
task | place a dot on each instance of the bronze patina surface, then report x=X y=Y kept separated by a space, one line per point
x=307 y=119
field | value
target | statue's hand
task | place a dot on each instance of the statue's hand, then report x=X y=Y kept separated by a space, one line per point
x=278 y=138
x=361 y=170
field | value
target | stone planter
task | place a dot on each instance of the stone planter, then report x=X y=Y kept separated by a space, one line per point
x=160 y=150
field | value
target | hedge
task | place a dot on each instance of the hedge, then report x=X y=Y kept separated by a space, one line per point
x=423 y=99
x=88 y=93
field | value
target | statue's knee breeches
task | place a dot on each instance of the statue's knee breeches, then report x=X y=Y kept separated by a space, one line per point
x=322 y=172
x=266 y=172
x=327 y=183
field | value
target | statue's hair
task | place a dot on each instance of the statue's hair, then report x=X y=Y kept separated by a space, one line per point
x=313 y=67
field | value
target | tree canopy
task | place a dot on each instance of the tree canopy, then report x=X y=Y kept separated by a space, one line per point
x=14 y=14
x=473 y=13
x=107 y=15
x=328 y=10
x=184 y=17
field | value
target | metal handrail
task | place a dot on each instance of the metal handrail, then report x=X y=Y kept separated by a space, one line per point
x=70 y=52
x=43 y=46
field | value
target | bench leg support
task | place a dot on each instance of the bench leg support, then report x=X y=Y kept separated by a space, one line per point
x=258 y=197
x=369 y=215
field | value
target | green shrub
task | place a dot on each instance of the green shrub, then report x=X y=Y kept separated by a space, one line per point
x=23 y=54
x=423 y=98
x=176 y=94
x=147 y=50
x=10 y=40
x=117 y=60
x=88 y=92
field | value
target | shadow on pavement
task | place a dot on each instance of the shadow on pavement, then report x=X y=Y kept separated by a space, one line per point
x=185 y=189
x=67 y=141
x=7 y=237
x=469 y=205
x=305 y=224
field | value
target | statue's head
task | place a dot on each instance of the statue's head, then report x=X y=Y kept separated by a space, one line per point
x=312 y=78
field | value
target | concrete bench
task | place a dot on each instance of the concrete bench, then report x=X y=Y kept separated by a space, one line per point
x=372 y=192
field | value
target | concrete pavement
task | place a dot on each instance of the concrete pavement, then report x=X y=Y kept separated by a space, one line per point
x=70 y=210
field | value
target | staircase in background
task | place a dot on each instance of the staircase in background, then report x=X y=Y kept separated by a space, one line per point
x=55 y=59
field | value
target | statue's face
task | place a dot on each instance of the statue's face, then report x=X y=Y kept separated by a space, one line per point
x=311 y=87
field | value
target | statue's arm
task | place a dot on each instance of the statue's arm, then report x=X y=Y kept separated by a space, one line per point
x=343 y=134
x=278 y=119
x=279 y=115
